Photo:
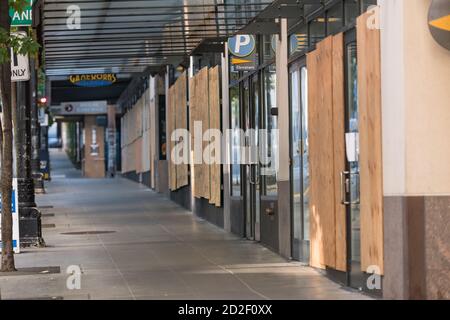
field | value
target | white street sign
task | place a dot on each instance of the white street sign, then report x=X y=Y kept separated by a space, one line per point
x=20 y=66
x=15 y=217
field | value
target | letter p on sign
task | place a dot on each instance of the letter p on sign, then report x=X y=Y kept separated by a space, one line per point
x=241 y=40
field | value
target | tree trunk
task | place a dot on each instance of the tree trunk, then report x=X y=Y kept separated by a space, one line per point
x=7 y=156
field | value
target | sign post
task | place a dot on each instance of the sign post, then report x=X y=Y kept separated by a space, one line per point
x=20 y=65
x=15 y=217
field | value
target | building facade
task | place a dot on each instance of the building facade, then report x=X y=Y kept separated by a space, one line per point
x=350 y=107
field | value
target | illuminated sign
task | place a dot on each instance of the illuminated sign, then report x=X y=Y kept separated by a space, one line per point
x=93 y=80
x=439 y=22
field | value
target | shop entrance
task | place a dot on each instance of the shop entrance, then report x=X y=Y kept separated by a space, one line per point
x=350 y=177
x=299 y=161
x=251 y=170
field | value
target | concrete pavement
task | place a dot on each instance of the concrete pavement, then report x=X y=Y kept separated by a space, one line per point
x=132 y=243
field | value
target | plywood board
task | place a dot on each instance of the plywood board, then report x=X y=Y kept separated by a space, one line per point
x=320 y=119
x=181 y=123
x=138 y=154
x=192 y=118
x=339 y=149
x=371 y=176
x=170 y=129
x=202 y=114
x=214 y=123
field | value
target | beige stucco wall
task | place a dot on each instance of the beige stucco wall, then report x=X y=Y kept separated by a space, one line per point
x=427 y=97
x=415 y=103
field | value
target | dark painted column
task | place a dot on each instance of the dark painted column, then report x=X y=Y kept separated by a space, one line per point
x=35 y=131
x=29 y=216
x=111 y=140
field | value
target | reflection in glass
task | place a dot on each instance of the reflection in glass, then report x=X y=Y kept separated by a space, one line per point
x=235 y=150
x=300 y=158
x=299 y=40
x=352 y=111
x=351 y=11
x=269 y=146
x=296 y=160
x=365 y=4
x=305 y=151
x=334 y=19
x=269 y=47
x=317 y=30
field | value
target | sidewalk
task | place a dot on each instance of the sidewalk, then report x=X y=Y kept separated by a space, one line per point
x=135 y=244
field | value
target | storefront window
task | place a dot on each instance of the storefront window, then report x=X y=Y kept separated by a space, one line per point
x=317 y=30
x=268 y=169
x=351 y=11
x=269 y=47
x=234 y=75
x=298 y=41
x=305 y=150
x=300 y=160
x=235 y=143
x=365 y=4
x=334 y=19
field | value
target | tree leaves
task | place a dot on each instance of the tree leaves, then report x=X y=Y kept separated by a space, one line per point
x=18 y=5
x=19 y=44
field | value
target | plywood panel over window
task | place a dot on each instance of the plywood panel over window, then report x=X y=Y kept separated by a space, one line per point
x=177 y=119
x=214 y=123
x=326 y=139
x=369 y=100
x=320 y=118
x=201 y=171
x=170 y=128
x=192 y=119
x=339 y=149
x=181 y=123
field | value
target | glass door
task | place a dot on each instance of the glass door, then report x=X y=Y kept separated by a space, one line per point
x=350 y=177
x=299 y=161
x=251 y=167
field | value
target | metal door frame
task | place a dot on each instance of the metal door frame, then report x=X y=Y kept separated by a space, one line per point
x=303 y=256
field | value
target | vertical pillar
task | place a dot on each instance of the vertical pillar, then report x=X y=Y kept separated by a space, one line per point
x=282 y=87
x=153 y=127
x=226 y=148
x=29 y=216
x=111 y=140
x=416 y=174
x=35 y=130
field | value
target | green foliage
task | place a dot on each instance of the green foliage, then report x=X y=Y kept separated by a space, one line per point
x=20 y=45
x=18 y=5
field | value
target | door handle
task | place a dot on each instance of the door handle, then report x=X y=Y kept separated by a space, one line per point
x=249 y=167
x=256 y=181
x=344 y=187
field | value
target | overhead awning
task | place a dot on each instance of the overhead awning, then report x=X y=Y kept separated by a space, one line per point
x=129 y=36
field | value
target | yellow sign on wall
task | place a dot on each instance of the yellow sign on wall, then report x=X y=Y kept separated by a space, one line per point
x=93 y=80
